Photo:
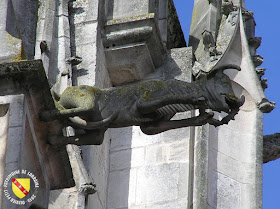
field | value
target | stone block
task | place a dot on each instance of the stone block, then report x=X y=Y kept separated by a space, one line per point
x=228 y=193
x=237 y=170
x=179 y=152
x=95 y=202
x=131 y=137
x=184 y=181
x=181 y=134
x=235 y=144
x=86 y=70
x=156 y=154
x=163 y=9
x=121 y=138
x=138 y=207
x=86 y=34
x=85 y=11
x=140 y=139
x=92 y=10
x=49 y=26
x=136 y=67
x=63 y=8
x=62 y=198
x=162 y=24
x=183 y=58
x=15 y=137
x=125 y=159
x=125 y=8
x=3 y=15
x=99 y=157
x=10 y=47
x=178 y=204
x=248 y=194
x=16 y=110
x=121 y=192
x=64 y=28
x=157 y=184
x=4 y=121
x=138 y=39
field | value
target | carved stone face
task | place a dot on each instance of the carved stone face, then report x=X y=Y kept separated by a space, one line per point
x=222 y=97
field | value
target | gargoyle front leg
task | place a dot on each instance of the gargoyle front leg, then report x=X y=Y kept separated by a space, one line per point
x=161 y=126
x=55 y=114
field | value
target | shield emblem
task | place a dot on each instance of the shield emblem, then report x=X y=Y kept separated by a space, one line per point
x=21 y=187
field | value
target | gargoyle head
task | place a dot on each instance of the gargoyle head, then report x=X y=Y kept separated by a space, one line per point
x=219 y=89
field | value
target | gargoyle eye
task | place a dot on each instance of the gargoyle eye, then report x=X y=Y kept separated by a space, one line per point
x=224 y=80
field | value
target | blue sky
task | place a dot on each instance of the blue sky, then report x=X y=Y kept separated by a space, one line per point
x=268 y=27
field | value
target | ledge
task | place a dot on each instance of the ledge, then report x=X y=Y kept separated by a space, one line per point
x=28 y=78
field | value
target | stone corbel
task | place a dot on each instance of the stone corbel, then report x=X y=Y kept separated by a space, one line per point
x=255 y=42
x=137 y=38
x=257 y=60
x=247 y=14
x=28 y=79
x=260 y=72
x=228 y=7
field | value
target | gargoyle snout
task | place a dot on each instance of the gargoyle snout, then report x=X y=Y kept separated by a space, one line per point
x=234 y=102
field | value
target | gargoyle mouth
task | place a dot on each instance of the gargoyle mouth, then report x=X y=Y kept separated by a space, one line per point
x=234 y=102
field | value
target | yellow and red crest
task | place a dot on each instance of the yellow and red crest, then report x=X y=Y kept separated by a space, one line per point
x=21 y=187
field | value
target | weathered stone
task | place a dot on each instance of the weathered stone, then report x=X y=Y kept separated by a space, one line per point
x=126 y=159
x=122 y=188
x=271 y=147
x=119 y=42
x=178 y=152
x=29 y=76
x=64 y=198
x=178 y=204
x=175 y=36
x=151 y=105
x=124 y=39
x=224 y=192
x=150 y=179
x=156 y=155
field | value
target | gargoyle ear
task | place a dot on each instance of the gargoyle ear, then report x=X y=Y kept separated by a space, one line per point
x=225 y=67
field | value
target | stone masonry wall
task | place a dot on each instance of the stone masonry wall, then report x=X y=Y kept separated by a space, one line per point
x=152 y=171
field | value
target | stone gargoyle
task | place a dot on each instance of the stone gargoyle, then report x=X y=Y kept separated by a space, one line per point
x=149 y=104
